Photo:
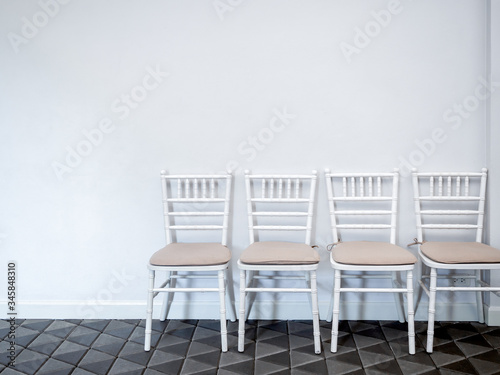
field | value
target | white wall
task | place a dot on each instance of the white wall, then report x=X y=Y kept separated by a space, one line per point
x=183 y=86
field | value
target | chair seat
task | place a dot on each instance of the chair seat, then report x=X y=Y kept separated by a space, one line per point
x=191 y=254
x=279 y=253
x=370 y=253
x=460 y=252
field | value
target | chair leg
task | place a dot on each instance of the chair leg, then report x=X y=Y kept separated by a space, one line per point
x=149 y=311
x=315 y=312
x=398 y=299
x=479 y=299
x=241 y=323
x=336 y=311
x=411 y=312
x=250 y=297
x=230 y=295
x=329 y=314
x=432 y=310
x=166 y=299
x=222 y=299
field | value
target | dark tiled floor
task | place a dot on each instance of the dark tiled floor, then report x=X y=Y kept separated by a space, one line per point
x=86 y=347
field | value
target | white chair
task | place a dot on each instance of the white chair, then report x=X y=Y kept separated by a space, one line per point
x=446 y=206
x=192 y=203
x=279 y=203
x=367 y=202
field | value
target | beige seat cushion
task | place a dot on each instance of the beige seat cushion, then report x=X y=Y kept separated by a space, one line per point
x=371 y=253
x=191 y=254
x=279 y=253
x=460 y=252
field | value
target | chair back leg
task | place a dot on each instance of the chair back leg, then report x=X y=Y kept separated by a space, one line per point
x=315 y=312
x=479 y=299
x=167 y=298
x=149 y=311
x=398 y=298
x=432 y=310
x=222 y=301
x=241 y=322
x=336 y=310
x=411 y=312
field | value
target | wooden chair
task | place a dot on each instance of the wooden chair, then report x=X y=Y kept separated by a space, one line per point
x=192 y=203
x=275 y=203
x=446 y=206
x=367 y=202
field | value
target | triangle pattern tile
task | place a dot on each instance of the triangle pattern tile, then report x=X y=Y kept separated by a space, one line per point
x=487 y=363
x=161 y=360
x=281 y=359
x=241 y=368
x=192 y=366
x=462 y=367
x=441 y=336
x=29 y=361
x=97 y=362
x=298 y=358
x=24 y=336
x=473 y=345
x=168 y=368
x=37 y=324
x=83 y=336
x=263 y=349
x=362 y=325
x=384 y=368
x=45 y=343
x=119 y=329
x=138 y=336
x=135 y=353
x=60 y=328
x=280 y=326
x=400 y=347
x=264 y=333
x=234 y=357
x=493 y=337
x=55 y=367
x=197 y=348
x=459 y=331
x=419 y=363
x=299 y=341
x=264 y=368
x=70 y=352
x=375 y=354
x=108 y=344
x=97 y=324
x=281 y=341
x=317 y=367
x=124 y=367
x=445 y=354
x=345 y=363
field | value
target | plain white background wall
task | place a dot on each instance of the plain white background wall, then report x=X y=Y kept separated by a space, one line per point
x=98 y=97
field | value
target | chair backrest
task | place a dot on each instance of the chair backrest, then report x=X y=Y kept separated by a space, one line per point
x=280 y=202
x=363 y=201
x=450 y=201
x=196 y=202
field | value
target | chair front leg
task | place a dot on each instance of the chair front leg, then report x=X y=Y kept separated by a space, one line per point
x=315 y=312
x=479 y=299
x=241 y=322
x=398 y=298
x=411 y=312
x=222 y=301
x=166 y=299
x=149 y=311
x=329 y=314
x=432 y=310
x=336 y=310
x=230 y=295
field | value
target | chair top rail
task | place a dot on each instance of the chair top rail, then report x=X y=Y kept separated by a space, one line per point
x=269 y=213
x=449 y=212
x=450 y=174
x=450 y=226
x=194 y=200
x=340 y=175
x=364 y=226
x=190 y=227
x=280 y=200
x=363 y=212
x=279 y=176
x=196 y=213
x=280 y=227
x=449 y=198
x=364 y=198
x=193 y=176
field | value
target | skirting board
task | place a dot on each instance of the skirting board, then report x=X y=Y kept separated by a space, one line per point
x=265 y=310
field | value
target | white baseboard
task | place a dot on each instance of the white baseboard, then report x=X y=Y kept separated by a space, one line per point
x=266 y=310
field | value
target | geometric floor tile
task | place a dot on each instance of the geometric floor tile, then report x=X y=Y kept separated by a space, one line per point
x=185 y=347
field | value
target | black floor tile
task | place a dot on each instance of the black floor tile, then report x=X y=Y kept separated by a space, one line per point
x=116 y=347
